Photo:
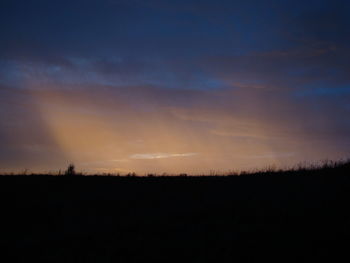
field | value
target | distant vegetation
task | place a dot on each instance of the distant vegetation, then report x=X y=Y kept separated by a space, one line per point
x=70 y=170
x=322 y=167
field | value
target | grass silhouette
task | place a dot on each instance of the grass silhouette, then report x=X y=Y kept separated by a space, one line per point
x=325 y=167
x=296 y=215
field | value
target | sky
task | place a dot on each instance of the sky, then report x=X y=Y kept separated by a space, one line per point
x=176 y=86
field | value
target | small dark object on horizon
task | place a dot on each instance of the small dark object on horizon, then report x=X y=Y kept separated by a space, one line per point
x=70 y=170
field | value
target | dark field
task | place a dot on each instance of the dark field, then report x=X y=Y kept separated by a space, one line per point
x=300 y=216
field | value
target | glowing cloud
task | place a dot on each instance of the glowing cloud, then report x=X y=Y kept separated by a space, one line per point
x=160 y=155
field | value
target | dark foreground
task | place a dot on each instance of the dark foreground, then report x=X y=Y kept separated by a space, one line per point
x=289 y=217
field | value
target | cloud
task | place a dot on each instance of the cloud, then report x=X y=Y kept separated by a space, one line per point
x=150 y=156
x=225 y=128
x=227 y=81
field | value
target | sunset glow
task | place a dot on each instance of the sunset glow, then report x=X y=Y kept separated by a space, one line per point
x=215 y=94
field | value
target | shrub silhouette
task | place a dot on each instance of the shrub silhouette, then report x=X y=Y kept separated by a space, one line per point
x=70 y=170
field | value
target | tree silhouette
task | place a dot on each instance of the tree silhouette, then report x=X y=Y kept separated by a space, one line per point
x=70 y=170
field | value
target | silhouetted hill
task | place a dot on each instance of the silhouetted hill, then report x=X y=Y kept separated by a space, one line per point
x=292 y=216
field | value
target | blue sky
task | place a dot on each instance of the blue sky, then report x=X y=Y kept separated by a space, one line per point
x=227 y=80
